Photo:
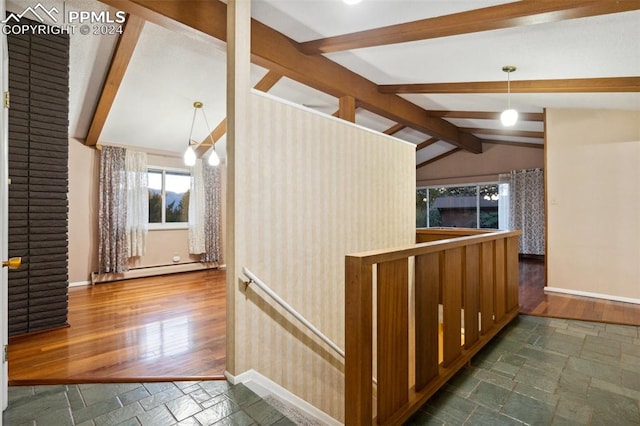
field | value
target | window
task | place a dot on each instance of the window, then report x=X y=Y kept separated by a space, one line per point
x=168 y=198
x=468 y=206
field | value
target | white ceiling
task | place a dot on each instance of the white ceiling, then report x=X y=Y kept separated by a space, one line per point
x=169 y=71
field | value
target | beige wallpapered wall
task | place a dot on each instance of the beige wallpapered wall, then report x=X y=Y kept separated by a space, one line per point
x=593 y=176
x=309 y=190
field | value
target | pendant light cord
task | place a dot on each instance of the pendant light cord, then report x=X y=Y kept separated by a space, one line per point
x=213 y=144
x=508 y=89
x=193 y=122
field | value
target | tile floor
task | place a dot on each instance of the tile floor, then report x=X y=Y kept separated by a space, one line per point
x=545 y=371
x=538 y=371
x=154 y=404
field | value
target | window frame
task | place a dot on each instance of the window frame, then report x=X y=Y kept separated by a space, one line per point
x=164 y=225
x=477 y=187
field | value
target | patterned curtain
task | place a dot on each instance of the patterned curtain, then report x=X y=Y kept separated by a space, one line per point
x=526 y=208
x=112 y=244
x=137 y=202
x=204 y=213
x=212 y=223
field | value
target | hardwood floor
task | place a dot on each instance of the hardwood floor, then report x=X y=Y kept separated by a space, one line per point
x=173 y=327
x=159 y=328
x=534 y=301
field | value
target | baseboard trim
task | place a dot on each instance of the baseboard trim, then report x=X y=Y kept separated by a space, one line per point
x=79 y=283
x=590 y=294
x=151 y=271
x=264 y=386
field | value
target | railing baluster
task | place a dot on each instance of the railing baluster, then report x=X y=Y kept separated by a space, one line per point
x=486 y=287
x=426 y=350
x=500 y=307
x=452 y=305
x=471 y=291
x=393 y=337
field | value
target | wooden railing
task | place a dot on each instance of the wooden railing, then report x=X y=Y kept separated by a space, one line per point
x=472 y=275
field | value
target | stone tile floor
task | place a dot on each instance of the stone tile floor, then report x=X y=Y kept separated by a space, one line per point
x=154 y=404
x=538 y=371
x=545 y=371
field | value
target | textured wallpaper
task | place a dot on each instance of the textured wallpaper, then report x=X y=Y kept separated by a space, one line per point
x=310 y=189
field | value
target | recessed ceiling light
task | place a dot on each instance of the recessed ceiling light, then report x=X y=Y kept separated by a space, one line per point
x=352 y=1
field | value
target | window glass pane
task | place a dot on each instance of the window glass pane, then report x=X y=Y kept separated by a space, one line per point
x=489 y=206
x=453 y=207
x=177 y=197
x=155 y=196
x=421 y=208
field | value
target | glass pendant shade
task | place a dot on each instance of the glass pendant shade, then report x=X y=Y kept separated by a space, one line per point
x=509 y=117
x=214 y=160
x=189 y=157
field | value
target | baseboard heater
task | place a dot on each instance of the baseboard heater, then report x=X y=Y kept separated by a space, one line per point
x=150 y=271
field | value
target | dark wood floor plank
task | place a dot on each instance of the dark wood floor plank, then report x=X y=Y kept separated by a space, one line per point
x=534 y=301
x=158 y=328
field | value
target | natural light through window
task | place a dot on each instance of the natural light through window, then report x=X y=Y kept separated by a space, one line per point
x=168 y=198
x=463 y=206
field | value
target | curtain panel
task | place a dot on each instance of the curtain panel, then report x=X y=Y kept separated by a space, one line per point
x=205 y=213
x=137 y=210
x=213 y=218
x=197 y=210
x=526 y=209
x=112 y=216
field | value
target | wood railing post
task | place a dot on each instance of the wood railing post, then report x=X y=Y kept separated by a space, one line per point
x=512 y=273
x=358 y=342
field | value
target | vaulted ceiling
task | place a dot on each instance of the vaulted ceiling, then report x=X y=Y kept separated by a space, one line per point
x=426 y=71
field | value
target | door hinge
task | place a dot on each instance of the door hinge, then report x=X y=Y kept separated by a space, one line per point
x=6 y=99
x=5 y=356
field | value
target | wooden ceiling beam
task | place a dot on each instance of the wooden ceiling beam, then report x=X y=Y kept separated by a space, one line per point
x=274 y=51
x=347 y=109
x=216 y=134
x=521 y=144
x=575 y=85
x=505 y=132
x=426 y=143
x=394 y=129
x=119 y=62
x=508 y=15
x=438 y=158
x=486 y=115
x=268 y=81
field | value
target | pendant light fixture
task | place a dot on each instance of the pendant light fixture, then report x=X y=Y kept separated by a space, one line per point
x=509 y=117
x=190 y=154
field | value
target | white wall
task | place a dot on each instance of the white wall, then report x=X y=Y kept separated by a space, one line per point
x=593 y=193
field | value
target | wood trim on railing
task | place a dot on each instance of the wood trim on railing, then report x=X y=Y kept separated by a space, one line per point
x=473 y=275
x=379 y=256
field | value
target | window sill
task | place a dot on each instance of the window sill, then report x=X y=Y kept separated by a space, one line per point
x=167 y=226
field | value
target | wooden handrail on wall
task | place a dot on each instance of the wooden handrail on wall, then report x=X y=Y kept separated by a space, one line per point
x=476 y=272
